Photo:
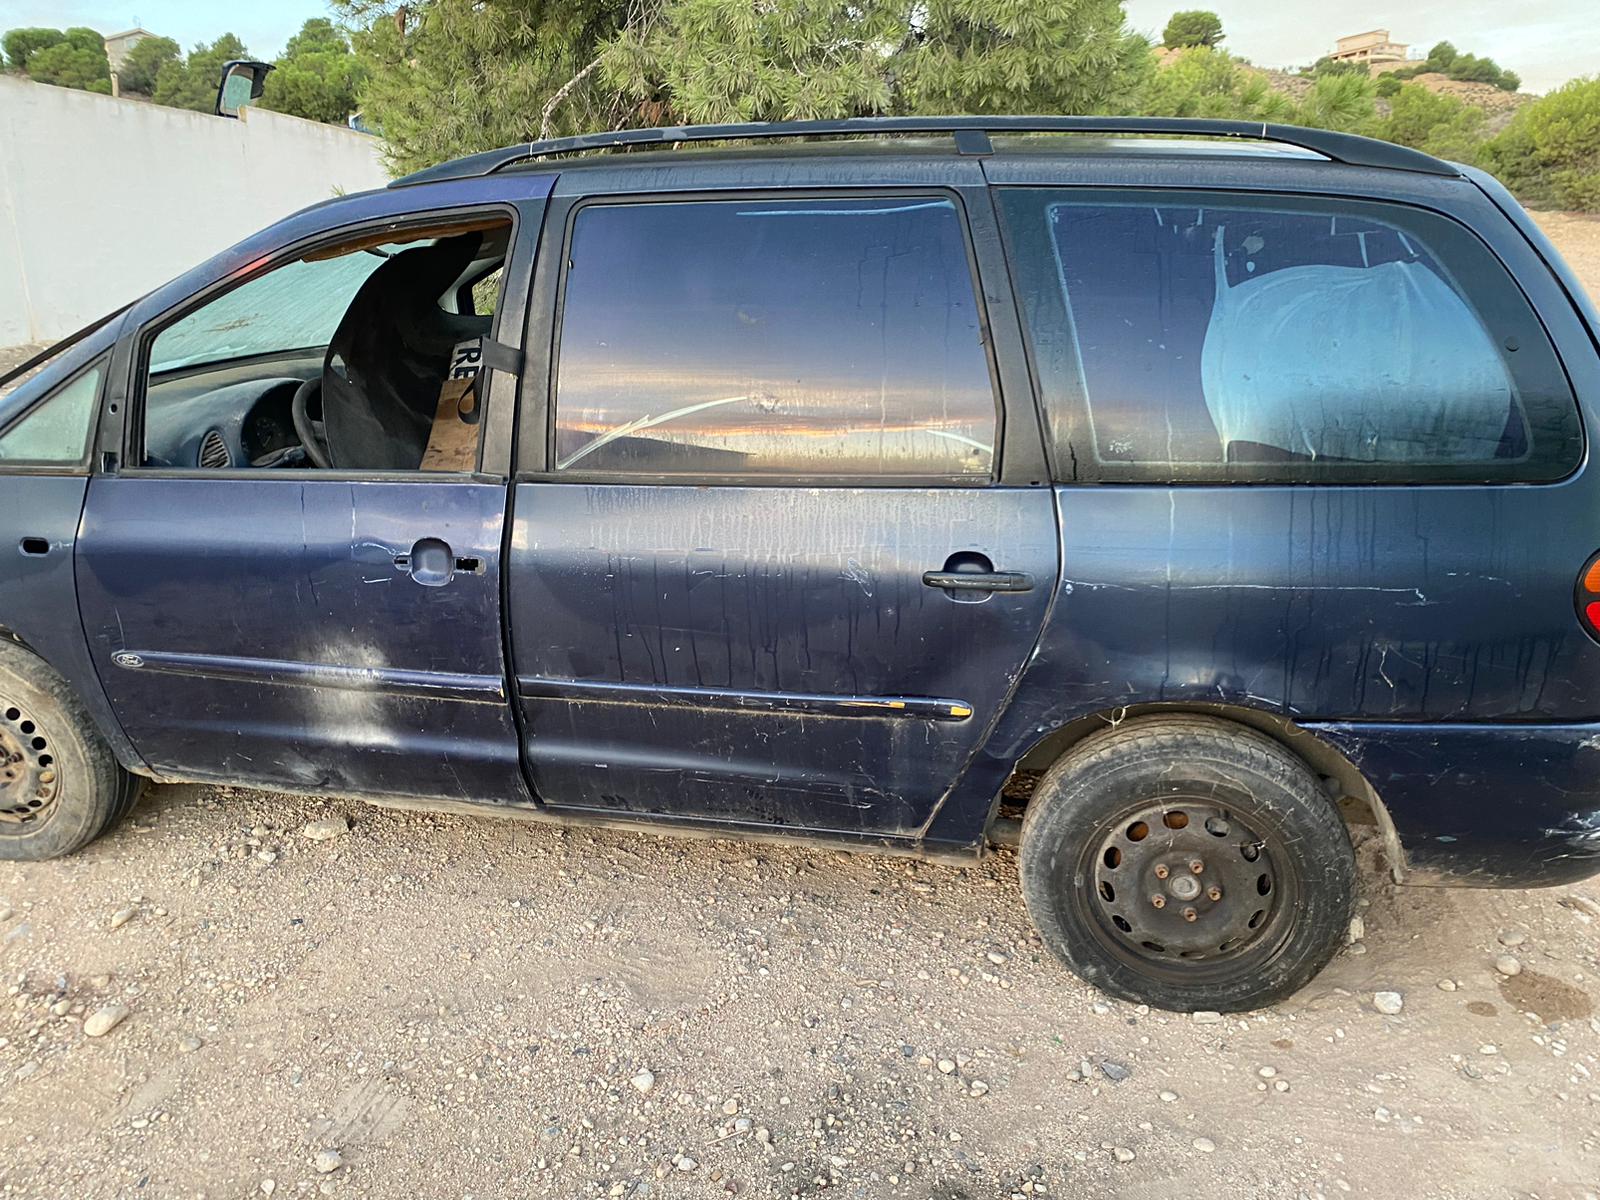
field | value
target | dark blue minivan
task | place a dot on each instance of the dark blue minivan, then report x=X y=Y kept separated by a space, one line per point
x=1161 y=497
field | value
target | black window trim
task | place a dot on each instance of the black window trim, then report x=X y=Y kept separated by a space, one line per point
x=554 y=278
x=141 y=340
x=81 y=465
x=1067 y=474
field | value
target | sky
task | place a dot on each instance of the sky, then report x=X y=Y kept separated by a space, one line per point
x=1545 y=41
x=263 y=25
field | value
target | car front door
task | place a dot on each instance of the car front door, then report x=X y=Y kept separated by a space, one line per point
x=777 y=562
x=316 y=629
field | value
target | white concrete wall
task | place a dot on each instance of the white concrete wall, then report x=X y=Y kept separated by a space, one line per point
x=103 y=199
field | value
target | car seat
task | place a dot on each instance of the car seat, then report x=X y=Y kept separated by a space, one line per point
x=390 y=354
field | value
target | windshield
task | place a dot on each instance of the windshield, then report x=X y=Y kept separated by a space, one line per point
x=295 y=307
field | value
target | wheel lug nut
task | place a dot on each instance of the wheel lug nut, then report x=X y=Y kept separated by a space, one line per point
x=1189 y=914
x=1161 y=870
x=1196 y=865
x=1158 y=900
x=1214 y=892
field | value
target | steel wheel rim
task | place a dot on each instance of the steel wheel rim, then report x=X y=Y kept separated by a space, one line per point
x=1138 y=891
x=30 y=775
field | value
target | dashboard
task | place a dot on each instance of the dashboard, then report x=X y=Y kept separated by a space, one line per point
x=241 y=425
x=228 y=416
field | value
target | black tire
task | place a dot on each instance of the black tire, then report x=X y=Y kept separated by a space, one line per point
x=60 y=785
x=1168 y=793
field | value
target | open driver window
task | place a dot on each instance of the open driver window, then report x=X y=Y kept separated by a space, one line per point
x=357 y=356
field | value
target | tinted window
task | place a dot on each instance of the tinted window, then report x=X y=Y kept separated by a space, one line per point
x=793 y=337
x=1220 y=338
x=56 y=430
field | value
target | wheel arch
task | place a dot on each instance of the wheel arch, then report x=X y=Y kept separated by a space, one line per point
x=9 y=634
x=91 y=695
x=1352 y=794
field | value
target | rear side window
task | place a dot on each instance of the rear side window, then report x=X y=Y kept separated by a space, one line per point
x=1211 y=338
x=797 y=337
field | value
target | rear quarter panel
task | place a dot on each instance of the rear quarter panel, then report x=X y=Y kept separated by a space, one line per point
x=1448 y=608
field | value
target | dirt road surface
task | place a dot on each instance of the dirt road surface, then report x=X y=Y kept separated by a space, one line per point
x=422 y=1006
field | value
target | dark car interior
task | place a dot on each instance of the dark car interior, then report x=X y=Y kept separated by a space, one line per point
x=369 y=394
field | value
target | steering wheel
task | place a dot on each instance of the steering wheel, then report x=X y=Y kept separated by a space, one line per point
x=311 y=437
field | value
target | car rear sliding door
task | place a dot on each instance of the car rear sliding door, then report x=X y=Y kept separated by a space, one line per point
x=772 y=571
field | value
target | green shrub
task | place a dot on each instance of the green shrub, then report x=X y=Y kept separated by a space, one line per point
x=1435 y=123
x=1328 y=65
x=1341 y=101
x=1550 y=153
x=192 y=82
x=77 y=61
x=1202 y=82
x=1444 y=59
x=22 y=44
x=144 y=62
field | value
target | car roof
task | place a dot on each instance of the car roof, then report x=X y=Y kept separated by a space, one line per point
x=968 y=136
x=1070 y=145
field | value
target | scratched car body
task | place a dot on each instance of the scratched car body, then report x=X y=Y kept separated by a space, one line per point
x=1192 y=495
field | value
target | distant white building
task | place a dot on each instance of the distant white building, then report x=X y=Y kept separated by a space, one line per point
x=1373 y=46
x=118 y=45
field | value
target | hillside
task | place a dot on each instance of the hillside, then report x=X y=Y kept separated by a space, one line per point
x=1499 y=104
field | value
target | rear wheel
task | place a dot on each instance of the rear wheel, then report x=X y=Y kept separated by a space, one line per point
x=1187 y=863
x=60 y=785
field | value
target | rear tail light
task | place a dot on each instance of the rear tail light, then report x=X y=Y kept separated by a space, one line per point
x=1587 y=595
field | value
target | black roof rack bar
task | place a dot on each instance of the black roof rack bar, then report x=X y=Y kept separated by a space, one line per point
x=971 y=137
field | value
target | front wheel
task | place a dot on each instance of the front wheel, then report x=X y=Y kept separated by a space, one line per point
x=60 y=785
x=1187 y=863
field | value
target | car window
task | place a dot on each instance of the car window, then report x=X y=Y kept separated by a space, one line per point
x=56 y=430
x=810 y=337
x=362 y=354
x=485 y=294
x=295 y=307
x=1217 y=338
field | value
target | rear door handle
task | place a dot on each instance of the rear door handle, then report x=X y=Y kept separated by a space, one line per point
x=979 y=581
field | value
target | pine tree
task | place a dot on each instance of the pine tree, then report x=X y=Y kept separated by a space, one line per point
x=727 y=60
x=192 y=82
x=78 y=60
x=1194 y=27
x=450 y=77
x=317 y=75
x=144 y=62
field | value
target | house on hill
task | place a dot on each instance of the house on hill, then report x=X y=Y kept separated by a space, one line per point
x=1373 y=46
x=118 y=45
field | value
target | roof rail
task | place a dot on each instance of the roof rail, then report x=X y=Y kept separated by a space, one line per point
x=971 y=136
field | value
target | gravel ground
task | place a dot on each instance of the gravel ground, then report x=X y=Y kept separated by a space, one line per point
x=475 y=1008
x=1577 y=235
x=409 y=1005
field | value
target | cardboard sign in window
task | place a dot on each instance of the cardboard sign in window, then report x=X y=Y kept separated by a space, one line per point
x=453 y=441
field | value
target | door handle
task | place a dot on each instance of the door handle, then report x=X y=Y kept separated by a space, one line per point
x=979 y=581
x=431 y=562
